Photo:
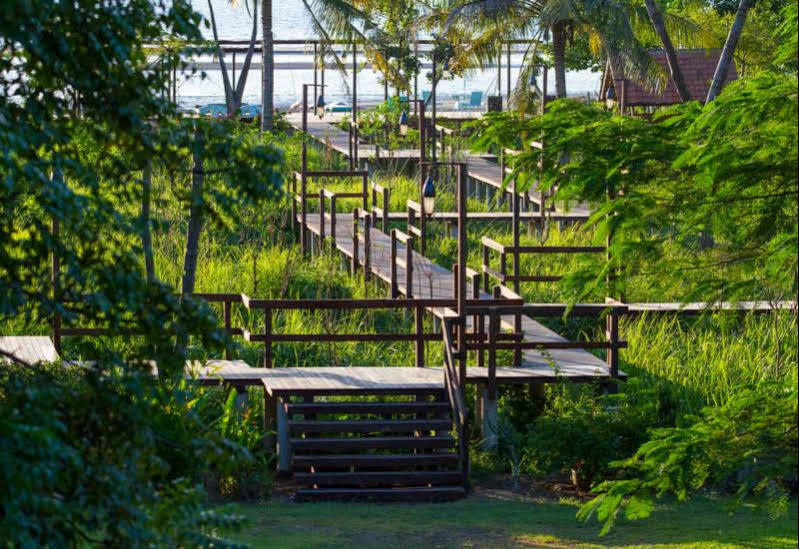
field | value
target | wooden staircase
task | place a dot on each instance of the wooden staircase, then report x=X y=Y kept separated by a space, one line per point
x=375 y=450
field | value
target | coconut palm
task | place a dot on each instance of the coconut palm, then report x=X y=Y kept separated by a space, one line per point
x=233 y=97
x=267 y=67
x=350 y=20
x=616 y=28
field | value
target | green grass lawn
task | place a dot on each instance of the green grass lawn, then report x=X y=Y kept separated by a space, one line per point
x=502 y=520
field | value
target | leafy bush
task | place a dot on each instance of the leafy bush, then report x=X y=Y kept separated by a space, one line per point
x=582 y=433
x=114 y=458
x=749 y=444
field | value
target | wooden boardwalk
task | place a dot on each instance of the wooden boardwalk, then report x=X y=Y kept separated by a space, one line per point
x=431 y=281
x=479 y=167
x=29 y=349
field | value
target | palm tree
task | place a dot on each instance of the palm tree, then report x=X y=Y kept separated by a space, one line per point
x=671 y=56
x=612 y=27
x=729 y=47
x=330 y=19
x=267 y=67
x=233 y=97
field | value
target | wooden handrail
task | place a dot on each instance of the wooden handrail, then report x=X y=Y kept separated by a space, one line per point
x=397 y=235
x=456 y=392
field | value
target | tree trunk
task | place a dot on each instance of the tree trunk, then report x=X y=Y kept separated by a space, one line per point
x=559 y=56
x=267 y=67
x=245 y=69
x=229 y=100
x=671 y=56
x=146 y=235
x=195 y=219
x=729 y=48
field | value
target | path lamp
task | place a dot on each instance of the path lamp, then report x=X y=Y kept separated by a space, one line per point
x=610 y=98
x=320 y=106
x=429 y=195
x=533 y=84
x=445 y=72
x=403 y=123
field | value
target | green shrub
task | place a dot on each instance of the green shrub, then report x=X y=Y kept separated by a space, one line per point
x=114 y=458
x=748 y=445
x=583 y=434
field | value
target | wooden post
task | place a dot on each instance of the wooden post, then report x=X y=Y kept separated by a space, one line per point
x=283 y=440
x=56 y=280
x=509 y=46
x=354 y=264
x=422 y=169
x=315 y=70
x=477 y=321
x=303 y=174
x=333 y=223
x=349 y=142
x=354 y=105
x=433 y=101
x=386 y=199
x=226 y=313
x=409 y=267
x=486 y=263
x=517 y=319
x=462 y=252
x=493 y=328
x=612 y=333
x=267 y=337
x=365 y=191
x=544 y=90
x=367 y=248
x=269 y=423
x=499 y=71
x=321 y=219
x=293 y=186
x=393 y=264
x=419 y=337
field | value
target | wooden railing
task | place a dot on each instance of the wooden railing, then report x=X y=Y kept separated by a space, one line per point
x=493 y=316
x=406 y=263
x=225 y=300
x=302 y=196
x=455 y=386
x=269 y=306
x=488 y=245
x=384 y=194
x=414 y=212
x=419 y=336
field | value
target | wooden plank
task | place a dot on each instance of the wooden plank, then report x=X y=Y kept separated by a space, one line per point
x=29 y=349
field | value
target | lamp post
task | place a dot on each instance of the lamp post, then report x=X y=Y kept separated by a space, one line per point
x=610 y=97
x=422 y=161
x=304 y=165
x=429 y=195
x=320 y=106
x=403 y=123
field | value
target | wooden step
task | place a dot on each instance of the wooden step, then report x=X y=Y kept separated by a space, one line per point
x=366 y=443
x=384 y=408
x=375 y=460
x=379 y=478
x=424 y=493
x=371 y=426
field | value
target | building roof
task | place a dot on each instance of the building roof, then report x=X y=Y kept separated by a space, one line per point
x=697 y=66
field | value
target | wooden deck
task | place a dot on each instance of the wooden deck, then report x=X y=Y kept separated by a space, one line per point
x=701 y=307
x=29 y=349
x=433 y=281
x=479 y=168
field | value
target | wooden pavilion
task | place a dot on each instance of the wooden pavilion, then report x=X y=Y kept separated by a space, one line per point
x=697 y=66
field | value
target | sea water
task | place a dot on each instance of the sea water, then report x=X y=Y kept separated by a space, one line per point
x=291 y=21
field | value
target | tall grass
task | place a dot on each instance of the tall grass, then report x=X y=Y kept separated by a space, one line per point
x=704 y=361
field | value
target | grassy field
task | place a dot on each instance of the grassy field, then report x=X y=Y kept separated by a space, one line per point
x=500 y=519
